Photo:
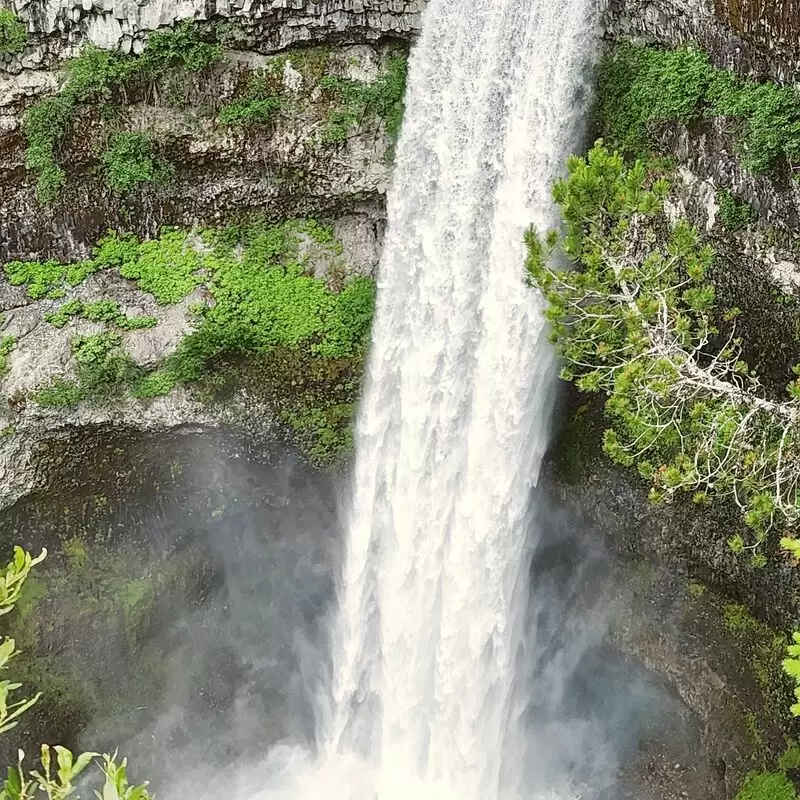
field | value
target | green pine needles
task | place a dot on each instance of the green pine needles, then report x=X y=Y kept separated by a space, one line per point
x=641 y=87
x=634 y=319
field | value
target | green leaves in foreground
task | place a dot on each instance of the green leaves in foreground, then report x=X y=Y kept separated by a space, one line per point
x=12 y=579
x=59 y=766
x=635 y=318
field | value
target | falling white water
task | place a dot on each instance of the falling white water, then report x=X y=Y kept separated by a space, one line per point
x=454 y=419
x=453 y=423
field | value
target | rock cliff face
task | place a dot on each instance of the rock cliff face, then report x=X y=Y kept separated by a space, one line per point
x=59 y=28
x=76 y=476
x=309 y=155
x=756 y=37
x=756 y=269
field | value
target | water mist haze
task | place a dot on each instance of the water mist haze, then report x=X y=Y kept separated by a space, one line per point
x=436 y=637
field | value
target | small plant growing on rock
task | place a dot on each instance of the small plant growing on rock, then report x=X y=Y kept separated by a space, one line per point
x=13 y=33
x=131 y=161
x=102 y=78
x=735 y=214
x=356 y=100
x=643 y=87
x=7 y=344
x=261 y=101
x=767 y=786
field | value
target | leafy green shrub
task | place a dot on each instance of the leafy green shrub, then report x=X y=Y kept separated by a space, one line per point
x=99 y=311
x=40 y=278
x=791 y=666
x=639 y=86
x=770 y=115
x=131 y=160
x=101 y=364
x=101 y=367
x=135 y=323
x=734 y=214
x=355 y=100
x=64 y=313
x=13 y=33
x=767 y=786
x=182 y=46
x=642 y=86
x=60 y=393
x=260 y=102
x=76 y=273
x=47 y=278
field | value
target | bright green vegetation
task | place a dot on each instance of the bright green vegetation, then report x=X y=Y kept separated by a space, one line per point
x=639 y=323
x=767 y=786
x=260 y=102
x=130 y=160
x=102 y=368
x=166 y=267
x=734 y=214
x=791 y=666
x=101 y=78
x=354 y=100
x=13 y=33
x=100 y=311
x=263 y=299
x=266 y=308
x=7 y=344
x=59 y=766
x=47 y=278
x=641 y=87
x=59 y=394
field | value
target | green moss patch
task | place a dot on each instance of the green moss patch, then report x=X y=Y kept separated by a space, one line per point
x=767 y=786
x=265 y=306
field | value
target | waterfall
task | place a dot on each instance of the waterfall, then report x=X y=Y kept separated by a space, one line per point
x=454 y=418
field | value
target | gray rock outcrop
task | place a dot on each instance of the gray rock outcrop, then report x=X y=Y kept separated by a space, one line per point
x=58 y=28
